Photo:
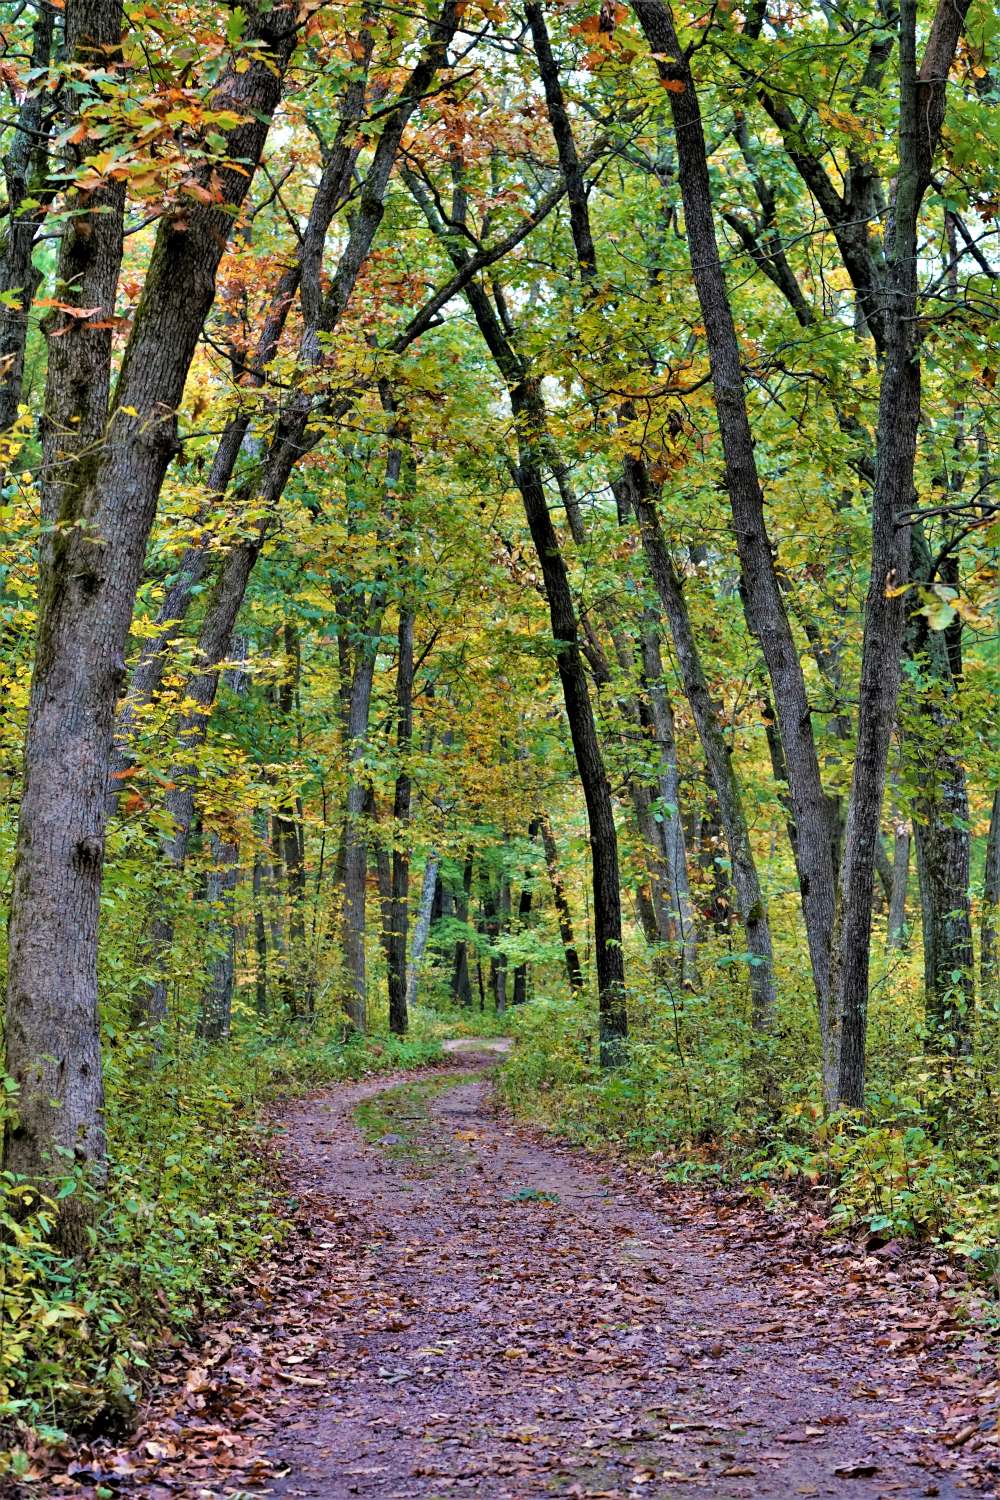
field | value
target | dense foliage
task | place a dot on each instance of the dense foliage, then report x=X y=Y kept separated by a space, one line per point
x=499 y=532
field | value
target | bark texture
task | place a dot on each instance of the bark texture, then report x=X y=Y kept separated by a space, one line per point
x=746 y=882
x=29 y=192
x=762 y=592
x=103 y=498
x=990 y=920
x=921 y=113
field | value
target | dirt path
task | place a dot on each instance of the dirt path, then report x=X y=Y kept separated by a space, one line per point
x=488 y=1314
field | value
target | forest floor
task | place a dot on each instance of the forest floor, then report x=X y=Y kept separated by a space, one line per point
x=469 y=1308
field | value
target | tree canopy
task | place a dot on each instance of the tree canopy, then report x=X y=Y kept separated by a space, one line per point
x=500 y=520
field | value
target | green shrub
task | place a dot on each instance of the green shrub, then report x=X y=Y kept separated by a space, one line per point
x=191 y=1199
x=708 y=1098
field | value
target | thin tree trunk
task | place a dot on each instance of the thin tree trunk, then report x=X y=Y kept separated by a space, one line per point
x=761 y=589
x=498 y=958
x=214 y=642
x=520 y=994
x=528 y=409
x=217 y=1002
x=671 y=825
x=290 y=843
x=574 y=972
x=29 y=193
x=421 y=929
x=400 y=888
x=896 y=924
x=354 y=998
x=260 y=932
x=746 y=883
x=990 y=920
x=461 y=983
x=941 y=825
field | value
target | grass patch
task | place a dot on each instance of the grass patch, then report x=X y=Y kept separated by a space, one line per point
x=191 y=1200
x=399 y=1122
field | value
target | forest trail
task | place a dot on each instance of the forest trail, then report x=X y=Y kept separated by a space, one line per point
x=483 y=1313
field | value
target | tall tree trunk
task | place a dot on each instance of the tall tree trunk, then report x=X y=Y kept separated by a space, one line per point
x=762 y=593
x=289 y=837
x=941 y=821
x=921 y=112
x=990 y=920
x=896 y=923
x=746 y=883
x=354 y=997
x=261 y=995
x=400 y=889
x=29 y=192
x=461 y=984
x=498 y=958
x=220 y=895
x=214 y=641
x=520 y=994
x=671 y=826
x=52 y=1030
x=528 y=409
x=103 y=493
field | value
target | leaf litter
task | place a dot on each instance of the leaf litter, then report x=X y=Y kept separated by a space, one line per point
x=494 y=1313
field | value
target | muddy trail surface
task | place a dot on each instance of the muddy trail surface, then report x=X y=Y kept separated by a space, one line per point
x=478 y=1310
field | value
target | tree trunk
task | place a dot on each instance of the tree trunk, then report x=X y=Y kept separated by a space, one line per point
x=762 y=593
x=941 y=822
x=520 y=994
x=217 y=1002
x=529 y=417
x=750 y=898
x=260 y=931
x=461 y=983
x=990 y=928
x=52 y=1028
x=498 y=958
x=421 y=929
x=671 y=826
x=103 y=494
x=921 y=111
x=354 y=999
x=574 y=973
x=525 y=400
x=29 y=192
x=400 y=889
x=289 y=842
x=942 y=840
x=896 y=924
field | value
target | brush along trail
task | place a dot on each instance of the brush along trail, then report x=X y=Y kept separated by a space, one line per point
x=468 y=1308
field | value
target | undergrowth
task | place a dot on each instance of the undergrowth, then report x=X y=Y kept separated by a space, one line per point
x=191 y=1199
x=708 y=1101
